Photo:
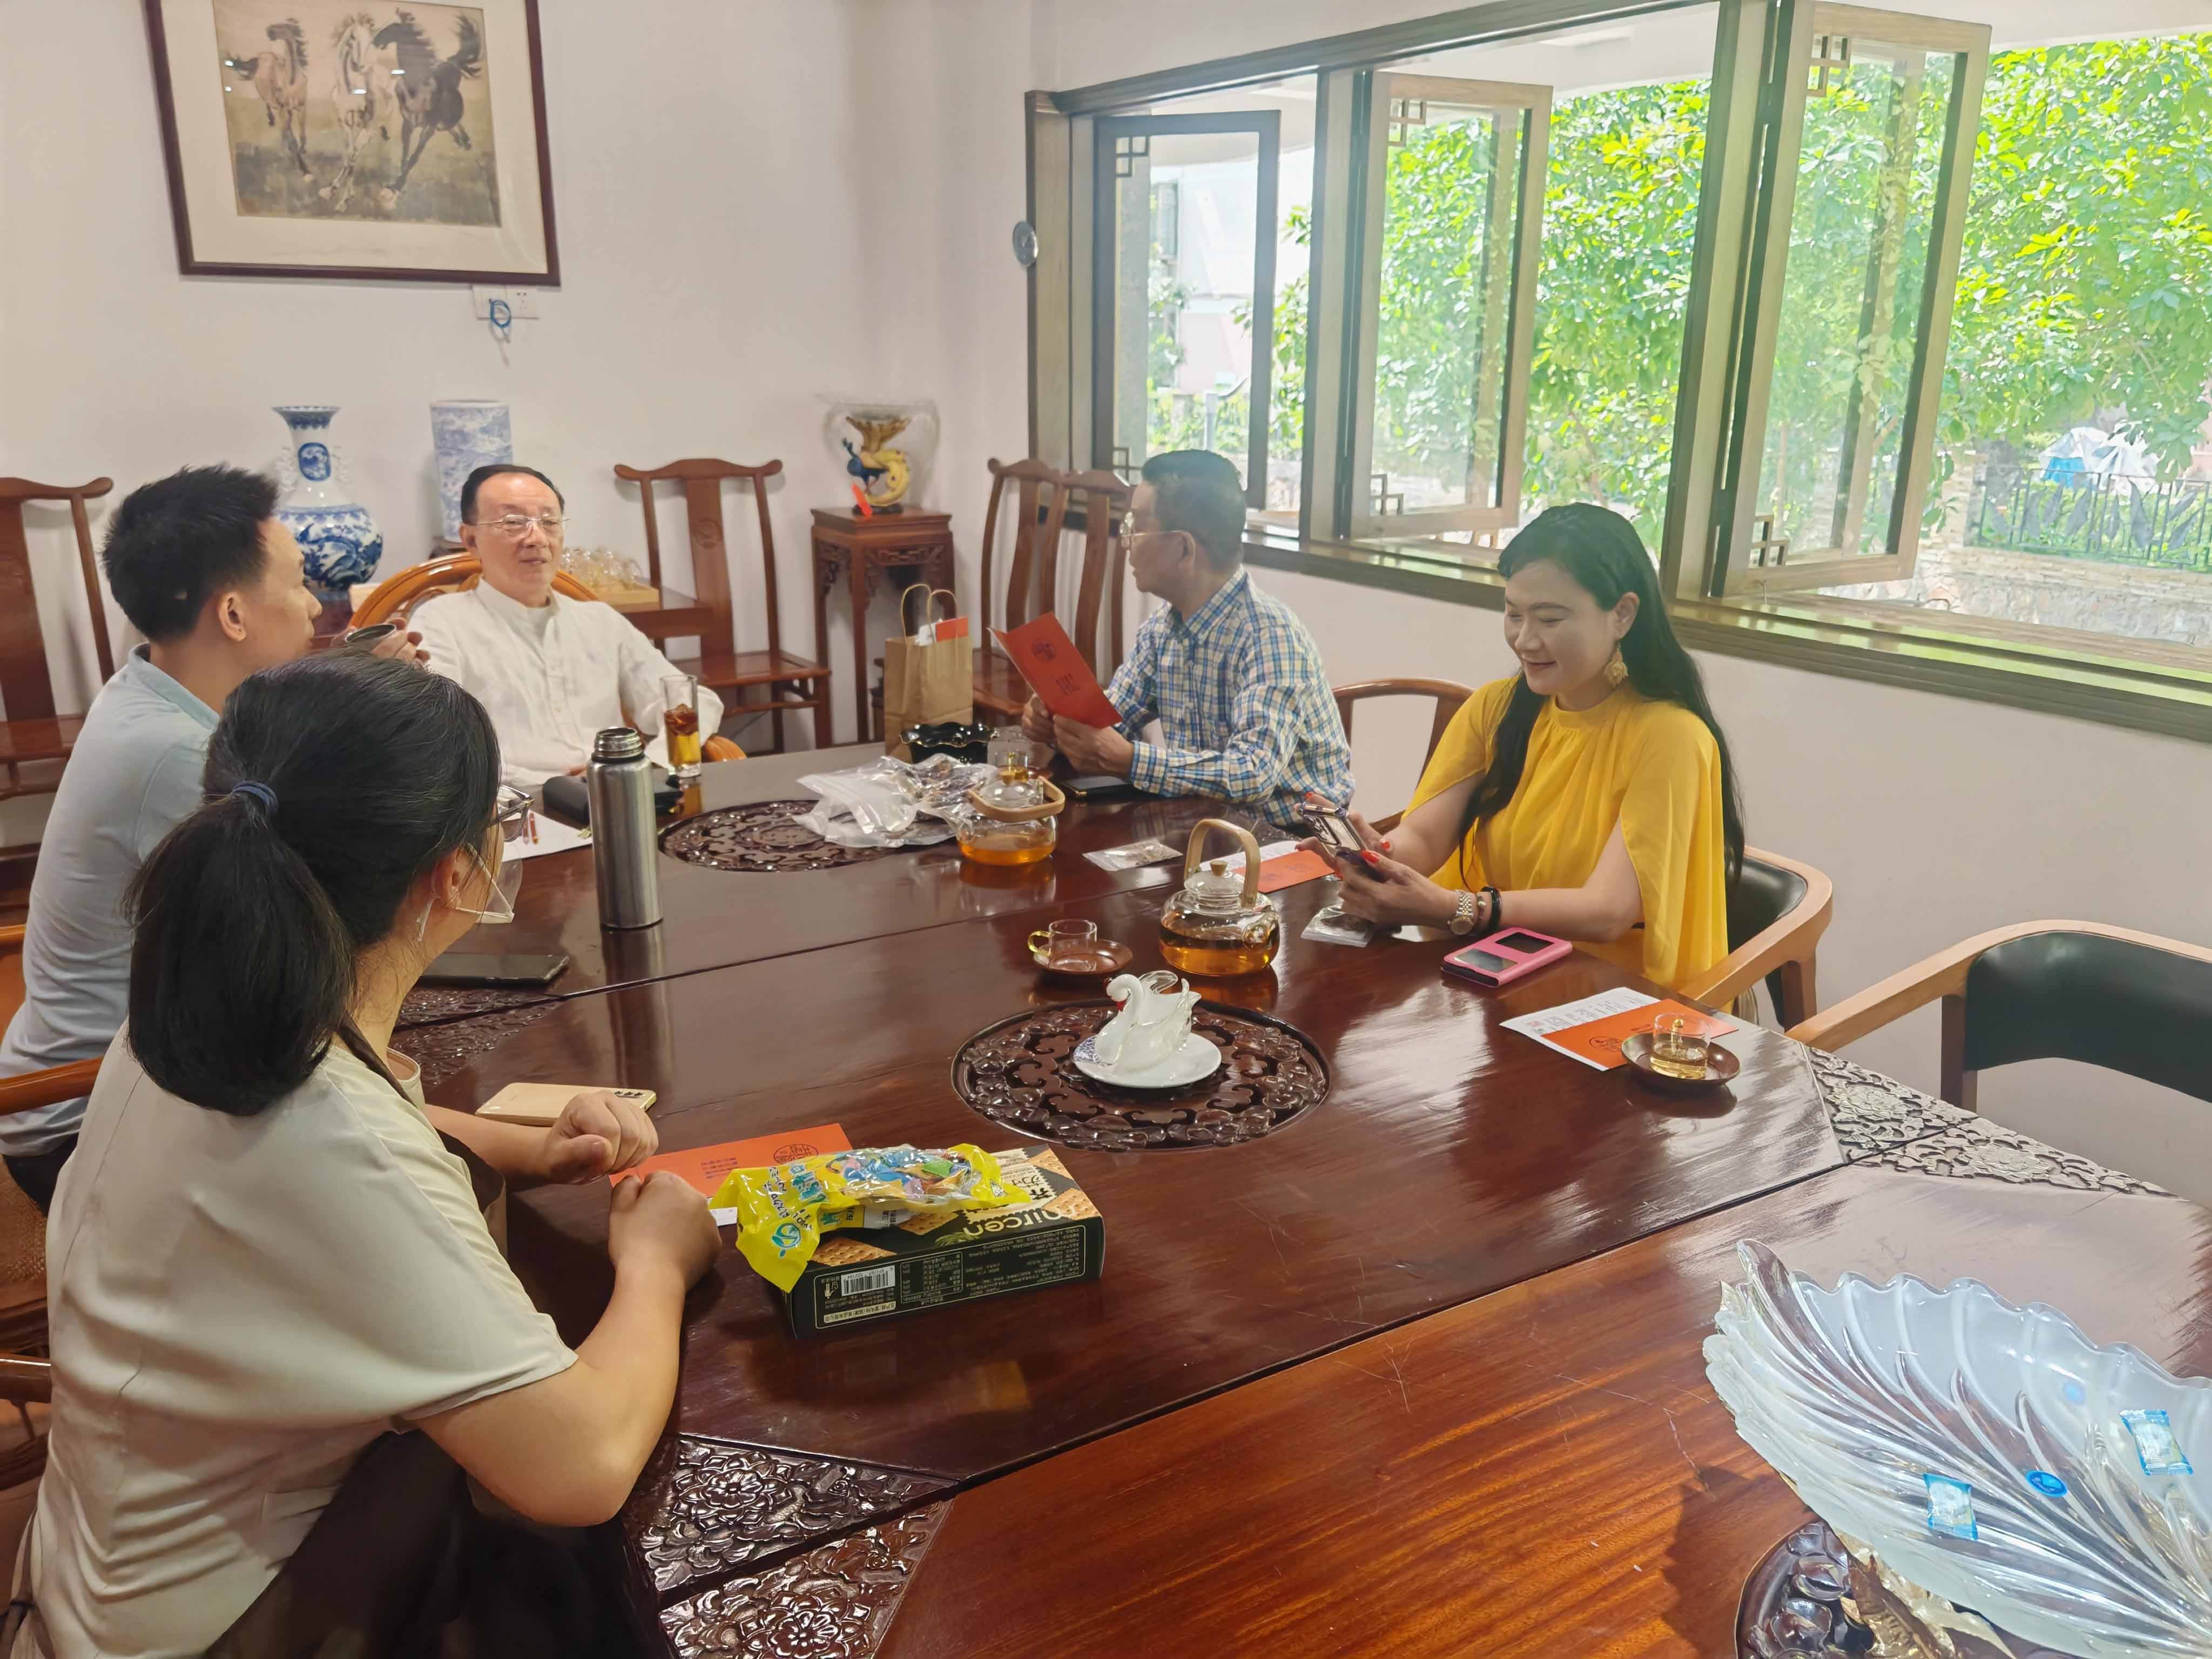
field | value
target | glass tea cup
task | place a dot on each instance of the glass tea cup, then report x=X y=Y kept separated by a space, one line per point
x=1677 y=1051
x=679 y=703
x=1067 y=946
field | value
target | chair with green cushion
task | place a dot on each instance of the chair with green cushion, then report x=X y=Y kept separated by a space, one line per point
x=1777 y=910
x=2129 y=1002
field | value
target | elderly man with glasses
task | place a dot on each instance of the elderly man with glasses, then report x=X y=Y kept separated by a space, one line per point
x=552 y=671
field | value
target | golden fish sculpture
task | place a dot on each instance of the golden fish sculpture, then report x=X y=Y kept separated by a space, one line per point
x=882 y=471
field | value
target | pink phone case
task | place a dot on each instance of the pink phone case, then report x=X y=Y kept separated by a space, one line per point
x=1510 y=954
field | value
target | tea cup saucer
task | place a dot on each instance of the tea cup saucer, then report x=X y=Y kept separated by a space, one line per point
x=1197 y=1060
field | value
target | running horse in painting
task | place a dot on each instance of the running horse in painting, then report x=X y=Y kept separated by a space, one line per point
x=429 y=93
x=280 y=75
x=362 y=94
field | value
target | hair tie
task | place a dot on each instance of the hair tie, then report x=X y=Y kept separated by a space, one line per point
x=259 y=792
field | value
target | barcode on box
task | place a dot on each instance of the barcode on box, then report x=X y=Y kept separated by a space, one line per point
x=873 y=1279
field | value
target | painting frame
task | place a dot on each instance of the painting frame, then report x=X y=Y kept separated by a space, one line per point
x=350 y=250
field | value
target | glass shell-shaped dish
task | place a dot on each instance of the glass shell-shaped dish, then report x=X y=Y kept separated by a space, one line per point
x=2088 y=1527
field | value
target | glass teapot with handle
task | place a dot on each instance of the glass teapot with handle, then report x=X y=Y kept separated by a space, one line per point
x=1009 y=820
x=1219 y=923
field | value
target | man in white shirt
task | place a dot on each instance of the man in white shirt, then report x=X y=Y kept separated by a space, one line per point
x=553 y=671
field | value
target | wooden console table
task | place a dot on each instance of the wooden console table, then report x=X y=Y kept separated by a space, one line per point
x=921 y=543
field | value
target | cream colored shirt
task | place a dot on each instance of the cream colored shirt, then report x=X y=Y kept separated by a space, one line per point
x=238 y=1307
x=551 y=686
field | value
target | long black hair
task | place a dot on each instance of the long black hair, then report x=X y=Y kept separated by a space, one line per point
x=1601 y=552
x=331 y=784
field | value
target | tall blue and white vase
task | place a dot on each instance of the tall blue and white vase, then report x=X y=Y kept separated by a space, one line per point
x=340 y=540
x=466 y=436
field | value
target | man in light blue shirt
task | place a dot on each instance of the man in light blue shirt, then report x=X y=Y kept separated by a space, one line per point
x=1234 y=679
x=217 y=585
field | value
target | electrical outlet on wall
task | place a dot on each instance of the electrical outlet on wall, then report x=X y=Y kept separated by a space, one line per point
x=522 y=302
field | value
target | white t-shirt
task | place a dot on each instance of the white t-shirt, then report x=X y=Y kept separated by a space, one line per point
x=237 y=1306
x=552 y=677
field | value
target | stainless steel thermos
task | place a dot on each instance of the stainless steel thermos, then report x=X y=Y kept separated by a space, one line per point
x=625 y=854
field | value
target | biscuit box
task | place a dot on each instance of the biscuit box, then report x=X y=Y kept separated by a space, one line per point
x=1055 y=1236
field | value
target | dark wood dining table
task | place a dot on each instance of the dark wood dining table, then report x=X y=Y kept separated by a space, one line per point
x=716 y=917
x=1418 y=1372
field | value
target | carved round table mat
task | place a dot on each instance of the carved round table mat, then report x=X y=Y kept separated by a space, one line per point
x=1019 y=1073
x=760 y=837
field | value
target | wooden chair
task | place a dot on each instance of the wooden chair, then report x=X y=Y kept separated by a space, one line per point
x=1447 y=694
x=1776 y=912
x=792 y=682
x=2127 y=1001
x=397 y=596
x=1043 y=495
x=34 y=741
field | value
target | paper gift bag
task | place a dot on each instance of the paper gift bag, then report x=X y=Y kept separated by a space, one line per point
x=929 y=676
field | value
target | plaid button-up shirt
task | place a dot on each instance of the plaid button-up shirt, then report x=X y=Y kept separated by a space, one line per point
x=1242 y=701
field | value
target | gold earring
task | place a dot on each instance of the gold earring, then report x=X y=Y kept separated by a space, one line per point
x=1616 y=672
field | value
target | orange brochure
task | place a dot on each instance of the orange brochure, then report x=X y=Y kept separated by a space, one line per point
x=1056 y=672
x=1597 y=1042
x=704 y=1167
x=1289 y=869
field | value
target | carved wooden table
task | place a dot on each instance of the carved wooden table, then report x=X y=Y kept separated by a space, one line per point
x=863 y=549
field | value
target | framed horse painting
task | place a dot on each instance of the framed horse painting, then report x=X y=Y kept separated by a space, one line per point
x=355 y=138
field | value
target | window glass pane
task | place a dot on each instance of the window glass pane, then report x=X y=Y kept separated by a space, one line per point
x=1624 y=163
x=1867 y=177
x=1185 y=206
x=2072 y=484
x=1195 y=362
x=1451 y=189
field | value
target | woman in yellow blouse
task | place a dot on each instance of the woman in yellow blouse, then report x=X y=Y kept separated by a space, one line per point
x=1590 y=796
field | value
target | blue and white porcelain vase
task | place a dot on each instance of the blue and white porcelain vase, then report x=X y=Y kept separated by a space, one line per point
x=466 y=436
x=340 y=540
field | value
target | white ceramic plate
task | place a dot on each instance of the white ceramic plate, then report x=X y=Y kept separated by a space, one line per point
x=1197 y=1060
x=1858 y=1395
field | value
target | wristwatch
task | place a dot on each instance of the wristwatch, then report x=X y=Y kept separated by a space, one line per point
x=1463 y=921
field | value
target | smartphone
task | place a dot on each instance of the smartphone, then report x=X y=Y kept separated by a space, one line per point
x=369 y=636
x=1334 y=831
x=1505 y=957
x=1099 y=786
x=465 y=969
x=569 y=800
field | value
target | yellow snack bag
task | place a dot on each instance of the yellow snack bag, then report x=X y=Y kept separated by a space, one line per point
x=784 y=1210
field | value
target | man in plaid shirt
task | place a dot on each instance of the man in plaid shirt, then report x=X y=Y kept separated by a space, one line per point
x=1233 y=678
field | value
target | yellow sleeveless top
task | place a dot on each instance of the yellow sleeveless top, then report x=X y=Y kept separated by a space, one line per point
x=1650 y=768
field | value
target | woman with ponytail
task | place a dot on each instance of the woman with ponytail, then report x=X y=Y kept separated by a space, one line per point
x=1590 y=795
x=266 y=1255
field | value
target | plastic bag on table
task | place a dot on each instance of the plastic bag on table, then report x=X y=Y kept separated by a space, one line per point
x=784 y=1210
x=885 y=803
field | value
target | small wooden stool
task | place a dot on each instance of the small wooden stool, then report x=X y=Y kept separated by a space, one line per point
x=921 y=543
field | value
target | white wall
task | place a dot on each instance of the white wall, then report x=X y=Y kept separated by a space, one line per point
x=722 y=211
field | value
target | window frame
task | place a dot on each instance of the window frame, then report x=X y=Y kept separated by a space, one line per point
x=1388 y=90
x=2146 y=691
x=1107 y=131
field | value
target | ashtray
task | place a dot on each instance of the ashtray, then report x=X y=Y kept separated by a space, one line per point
x=1721 y=1067
x=1108 y=958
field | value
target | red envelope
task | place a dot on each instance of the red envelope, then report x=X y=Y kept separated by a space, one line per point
x=1056 y=672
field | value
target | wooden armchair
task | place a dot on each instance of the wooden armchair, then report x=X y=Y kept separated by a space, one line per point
x=1776 y=912
x=397 y=596
x=792 y=684
x=2129 y=1002
x=1043 y=495
x=34 y=741
x=1448 y=695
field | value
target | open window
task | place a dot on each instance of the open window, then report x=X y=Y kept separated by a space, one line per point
x=1870 y=144
x=1451 y=219
x=1183 y=281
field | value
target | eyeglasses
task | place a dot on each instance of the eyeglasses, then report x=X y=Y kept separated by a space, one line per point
x=518 y=525
x=511 y=806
